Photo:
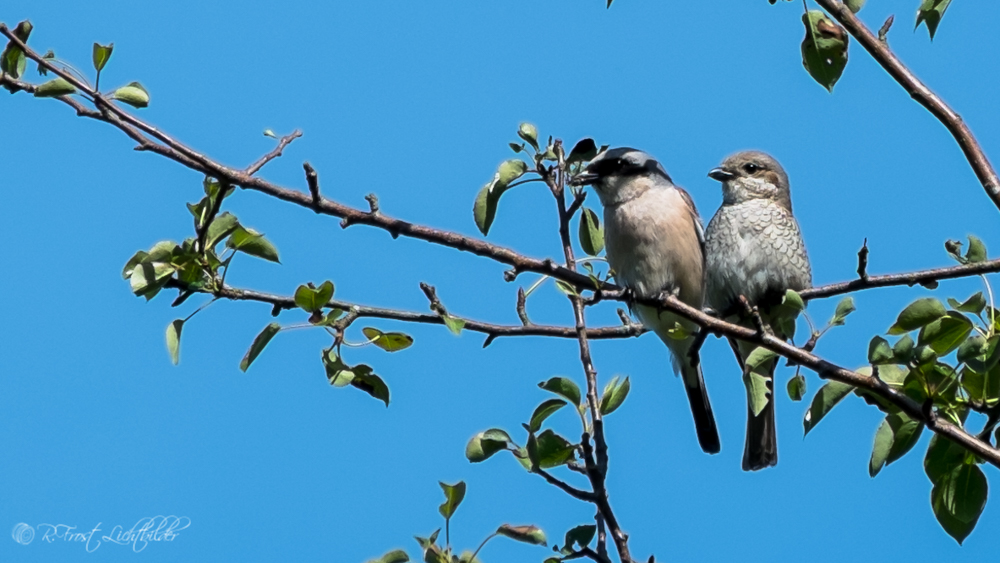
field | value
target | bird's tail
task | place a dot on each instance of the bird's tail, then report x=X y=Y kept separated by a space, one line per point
x=690 y=371
x=701 y=407
x=760 y=450
x=761 y=447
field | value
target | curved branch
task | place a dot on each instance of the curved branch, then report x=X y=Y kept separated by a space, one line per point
x=921 y=93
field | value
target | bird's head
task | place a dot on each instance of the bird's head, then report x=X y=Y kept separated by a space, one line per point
x=622 y=174
x=752 y=175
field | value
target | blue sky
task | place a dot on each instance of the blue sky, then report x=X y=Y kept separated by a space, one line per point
x=417 y=102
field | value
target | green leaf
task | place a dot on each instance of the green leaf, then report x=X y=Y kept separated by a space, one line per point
x=552 y=450
x=758 y=356
x=921 y=312
x=844 y=308
x=12 y=60
x=923 y=355
x=136 y=259
x=946 y=333
x=101 y=55
x=222 y=226
x=314 y=299
x=976 y=251
x=330 y=317
x=793 y=301
x=974 y=304
x=253 y=243
x=757 y=392
x=542 y=412
x=174 y=340
x=855 y=5
x=930 y=14
x=892 y=375
x=879 y=351
x=614 y=395
x=564 y=388
x=54 y=88
x=974 y=347
x=826 y=398
x=566 y=288
x=824 y=49
x=896 y=436
x=133 y=94
x=453 y=495
x=958 y=499
x=483 y=445
x=258 y=345
x=591 y=232
x=797 y=387
x=880 y=450
x=148 y=278
x=583 y=151
x=527 y=534
x=903 y=349
x=339 y=373
x=394 y=556
x=529 y=133
x=943 y=456
x=990 y=357
x=580 y=535
x=427 y=542
x=388 y=341
x=485 y=208
x=370 y=383
x=454 y=324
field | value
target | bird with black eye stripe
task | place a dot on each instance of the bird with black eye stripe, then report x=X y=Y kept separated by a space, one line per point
x=754 y=248
x=654 y=242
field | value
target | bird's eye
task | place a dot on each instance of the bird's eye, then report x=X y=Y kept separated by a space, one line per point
x=750 y=168
x=620 y=163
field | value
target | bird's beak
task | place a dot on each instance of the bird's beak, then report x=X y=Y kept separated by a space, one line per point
x=584 y=179
x=720 y=175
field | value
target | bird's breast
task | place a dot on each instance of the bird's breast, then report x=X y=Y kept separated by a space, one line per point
x=652 y=245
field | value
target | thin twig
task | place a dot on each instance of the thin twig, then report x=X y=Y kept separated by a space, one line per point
x=572 y=491
x=279 y=302
x=312 y=180
x=522 y=311
x=863 y=261
x=284 y=142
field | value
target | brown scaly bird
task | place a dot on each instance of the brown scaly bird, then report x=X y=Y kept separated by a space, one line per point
x=754 y=248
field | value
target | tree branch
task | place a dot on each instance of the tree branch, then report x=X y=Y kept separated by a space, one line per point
x=880 y=51
x=279 y=302
x=920 y=277
x=284 y=142
x=572 y=491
